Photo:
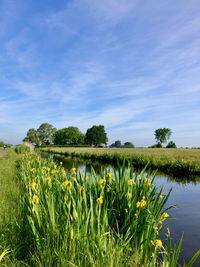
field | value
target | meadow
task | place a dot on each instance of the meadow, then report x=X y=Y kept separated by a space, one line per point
x=175 y=161
x=53 y=217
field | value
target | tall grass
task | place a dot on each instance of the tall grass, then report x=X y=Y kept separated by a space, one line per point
x=9 y=210
x=71 y=219
x=20 y=149
x=169 y=166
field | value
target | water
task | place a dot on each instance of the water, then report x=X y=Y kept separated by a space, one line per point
x=184 y=194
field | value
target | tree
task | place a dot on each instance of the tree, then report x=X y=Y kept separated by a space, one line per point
x=70 y=135
x=46 y=133
x=2 y=144
x=32 y=136
x=156 y=146
x=162 y=135
x=128 y=145
x=171 y=144
x=96 y=135
x=116 y=144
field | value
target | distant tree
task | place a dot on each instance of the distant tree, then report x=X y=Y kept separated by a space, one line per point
x=32 y=136
x=171 y=144
x=46 y=133
x=2 y=144
x=116 y=144
x=70 y=135
x=128 y=145
x=162 y=135
x=96 y=135
x=156 y=146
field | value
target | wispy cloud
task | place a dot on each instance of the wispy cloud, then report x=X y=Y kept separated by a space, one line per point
x=132 y=67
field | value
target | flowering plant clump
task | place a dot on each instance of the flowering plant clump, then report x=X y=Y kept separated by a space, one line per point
x=90 y=214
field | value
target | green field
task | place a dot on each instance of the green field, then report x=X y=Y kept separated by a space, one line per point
x=158 y=154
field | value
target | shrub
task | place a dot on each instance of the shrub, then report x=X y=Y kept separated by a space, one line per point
x=22 y=149
x=171 y=144
x=158 y=145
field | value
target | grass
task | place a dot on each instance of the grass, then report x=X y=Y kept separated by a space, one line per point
x=22 y=149
x=171 y=161
x=9 y=203
x=61 y=218
x=159 y=154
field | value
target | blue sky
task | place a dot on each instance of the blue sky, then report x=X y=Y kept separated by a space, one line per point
x=133 y=66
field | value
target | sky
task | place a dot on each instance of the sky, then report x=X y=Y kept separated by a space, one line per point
x=130 y=65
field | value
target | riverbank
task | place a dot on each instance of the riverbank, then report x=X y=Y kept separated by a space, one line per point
x=9 y=211
x=176 y=162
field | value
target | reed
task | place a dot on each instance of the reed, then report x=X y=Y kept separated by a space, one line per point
x=71 y=219
x=175 y=167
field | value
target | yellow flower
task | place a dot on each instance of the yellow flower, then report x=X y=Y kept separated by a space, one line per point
x=164 y=216
x=63 y=172
x=34 y=185
x=102 y=181
x=157 y=243
x=143 y=203
x=55 y=167
x=61 y=163
x=139 y=177
x=83 y=176
x=110 y=174
x=53 y=171
x=108 y=189
x=81 y=189
x=73 y=171
x=145 y=180
x=86 y=178
x=129 y=195
x=67 y=183
x=33 y=169
x=156 y=229
x=138 y=204
x=100 y=200
x=29 y=190
x=74 y=178
x=49 y=179
x=131 y=182
x=110 y=177
x=161 y=196
x=35 y=199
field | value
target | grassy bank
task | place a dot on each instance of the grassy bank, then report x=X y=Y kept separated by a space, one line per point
x=180 y=162
x=9 y=211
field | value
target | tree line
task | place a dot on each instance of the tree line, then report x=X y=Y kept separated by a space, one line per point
x=47 y=134
x=162 y=135
x=118 y=144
